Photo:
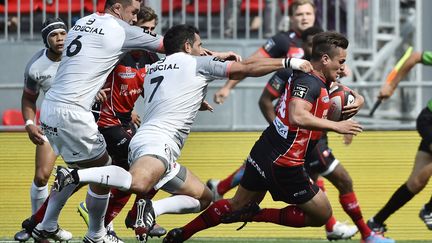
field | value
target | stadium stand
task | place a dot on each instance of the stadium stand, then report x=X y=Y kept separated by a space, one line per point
x=203 y=5
x=14 y=117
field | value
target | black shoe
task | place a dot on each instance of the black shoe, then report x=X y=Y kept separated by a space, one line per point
x=376 y=227
x=174 y=236
x=145 y=220
x=27 y=227
x=64 y=177
x=157 y=230
x=22 y=236
x=242 y=215
x=59 y=234
x=426 y=216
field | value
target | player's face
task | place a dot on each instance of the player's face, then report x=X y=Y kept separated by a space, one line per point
x=333 y=66
x=56 y=41
x=149 y=25
x=303 y=17
x=197 y=49
x=129 y=13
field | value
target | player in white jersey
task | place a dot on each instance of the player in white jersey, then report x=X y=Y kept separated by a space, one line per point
x=174 y=89
x=39 y=75
x=93 y=46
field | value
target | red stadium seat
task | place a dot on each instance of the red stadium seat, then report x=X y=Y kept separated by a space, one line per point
x=202 y=6
x=63 y=6
x=100 y=6
x=254 y=5
x=13 y=7
x=13 y=117
x=176 y=5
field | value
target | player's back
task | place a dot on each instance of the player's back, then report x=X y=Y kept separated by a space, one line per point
x=92 y=48
x=174 y=89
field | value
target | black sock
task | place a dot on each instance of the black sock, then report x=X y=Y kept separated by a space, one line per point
x=428 y=206
x=399 y=198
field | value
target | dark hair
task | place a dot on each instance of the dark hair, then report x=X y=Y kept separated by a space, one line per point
x=311 y=31
x=175 y=38
x=109 y=3
x=326 y=43
x=50 y=25
x=147 y=14
x=295 y=4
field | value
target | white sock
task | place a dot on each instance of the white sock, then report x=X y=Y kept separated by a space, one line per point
x=56 y=202
x=96 y=206
x=111 y=176
x=178 y=204
x=38 y=195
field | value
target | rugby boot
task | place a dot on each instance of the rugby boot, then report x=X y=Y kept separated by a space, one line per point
x=426 y=216
x=108 y=238
x=145 y=220
x=212 y=184
x=174 y=236
x=57 y=235
x=376 y=227
x=64 y=177
x=83 y=212
x=341 y=231
x=157 y=230
x=377 y=238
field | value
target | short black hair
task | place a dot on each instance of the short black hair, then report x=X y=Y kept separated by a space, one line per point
x=50 y=25
x=310 y=31
x=327 y=43
x=109 y=3
x=175 y=38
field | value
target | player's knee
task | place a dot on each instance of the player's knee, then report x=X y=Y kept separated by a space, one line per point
x=140 y=188
x=41 y=177
x=345 y=185
x=415 y=185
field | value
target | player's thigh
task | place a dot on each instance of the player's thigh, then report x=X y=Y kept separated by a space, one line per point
x=317 y=210
x=146 y=171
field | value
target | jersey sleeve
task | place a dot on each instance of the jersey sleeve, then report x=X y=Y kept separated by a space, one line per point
x=277 y=46
x=137 y=38
x=213 y=67
x=305 y=87
x=31 y=85
x=276 y=84
x=427 y=57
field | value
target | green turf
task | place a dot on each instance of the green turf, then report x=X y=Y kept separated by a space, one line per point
x=255 y=240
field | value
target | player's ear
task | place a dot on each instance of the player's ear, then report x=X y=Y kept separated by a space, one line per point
x=116 y=7
x=325 y=59
x=187 y=47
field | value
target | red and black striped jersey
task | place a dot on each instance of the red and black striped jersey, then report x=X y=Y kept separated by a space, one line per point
x=292 y=142
x=126 y=83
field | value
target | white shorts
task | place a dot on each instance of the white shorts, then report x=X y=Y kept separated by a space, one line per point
x=71 y=131
x=146 y=145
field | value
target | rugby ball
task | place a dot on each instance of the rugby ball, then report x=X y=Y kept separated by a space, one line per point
x=340 y=96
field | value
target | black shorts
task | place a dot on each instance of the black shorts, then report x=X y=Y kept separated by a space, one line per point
x=320 y=160
x=424 y=128
x=288 y=184
x=117 y=139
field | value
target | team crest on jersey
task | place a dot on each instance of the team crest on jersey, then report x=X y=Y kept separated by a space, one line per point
x=300 y=91
x=269 y=44
x=128 y=74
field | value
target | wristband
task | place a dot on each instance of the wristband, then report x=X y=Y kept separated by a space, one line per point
x=286 y=62
x=29 y=122
x=295 y=63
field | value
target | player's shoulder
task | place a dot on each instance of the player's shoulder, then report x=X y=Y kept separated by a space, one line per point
x=308 y=78
x=36 y=59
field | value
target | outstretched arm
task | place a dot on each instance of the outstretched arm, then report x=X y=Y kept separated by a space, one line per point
x=388 y=88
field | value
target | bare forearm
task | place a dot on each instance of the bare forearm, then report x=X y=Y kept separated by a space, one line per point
x=28 y=109
x=257 y=67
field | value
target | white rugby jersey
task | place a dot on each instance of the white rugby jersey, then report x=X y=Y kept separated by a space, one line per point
x=39 y=73
x=92 y=48
x=174 y=89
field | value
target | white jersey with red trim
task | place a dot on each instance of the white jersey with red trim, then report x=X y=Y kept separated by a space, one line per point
x=93 y=47
x=39 y=73
x=174 y=89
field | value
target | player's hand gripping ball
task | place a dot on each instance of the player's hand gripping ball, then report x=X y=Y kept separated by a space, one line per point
x=340 y=96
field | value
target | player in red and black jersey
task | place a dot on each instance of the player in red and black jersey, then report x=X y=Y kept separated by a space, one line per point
x=275 y=163
x=283 y=44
